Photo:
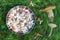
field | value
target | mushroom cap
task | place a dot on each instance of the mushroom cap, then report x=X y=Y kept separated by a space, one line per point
x=52 y=25
x=49 y=7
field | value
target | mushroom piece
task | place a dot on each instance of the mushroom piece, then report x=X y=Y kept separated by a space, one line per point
x=38 y=35
x=40 y=21
x=51 y=25
x=49 y=9
x=31 y=3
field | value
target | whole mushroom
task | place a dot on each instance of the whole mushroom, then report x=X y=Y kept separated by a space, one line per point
x=49 y=9
x=51 y=25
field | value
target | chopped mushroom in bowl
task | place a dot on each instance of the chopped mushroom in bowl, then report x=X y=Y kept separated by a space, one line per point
x=20 y=19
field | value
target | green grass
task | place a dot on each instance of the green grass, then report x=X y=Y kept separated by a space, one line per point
x=6 y=5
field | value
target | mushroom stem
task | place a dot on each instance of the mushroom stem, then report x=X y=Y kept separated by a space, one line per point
x=50 y=32
x=50 y=15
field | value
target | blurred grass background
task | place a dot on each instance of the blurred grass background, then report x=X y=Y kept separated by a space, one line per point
x=6 y=5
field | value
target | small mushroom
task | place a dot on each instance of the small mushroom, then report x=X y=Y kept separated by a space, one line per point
x=51 y=25
x=38 y=35
x=31 y=3
x=49 y=9
x=40 y=21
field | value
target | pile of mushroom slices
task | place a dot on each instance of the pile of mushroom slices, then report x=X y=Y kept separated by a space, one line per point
x=20 y=19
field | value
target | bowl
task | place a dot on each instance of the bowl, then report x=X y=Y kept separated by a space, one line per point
x=20 y=20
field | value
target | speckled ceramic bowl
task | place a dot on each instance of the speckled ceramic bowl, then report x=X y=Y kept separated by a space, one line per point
x=20 y=20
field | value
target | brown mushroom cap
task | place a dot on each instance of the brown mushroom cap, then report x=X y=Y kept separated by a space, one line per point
x=50 y=7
